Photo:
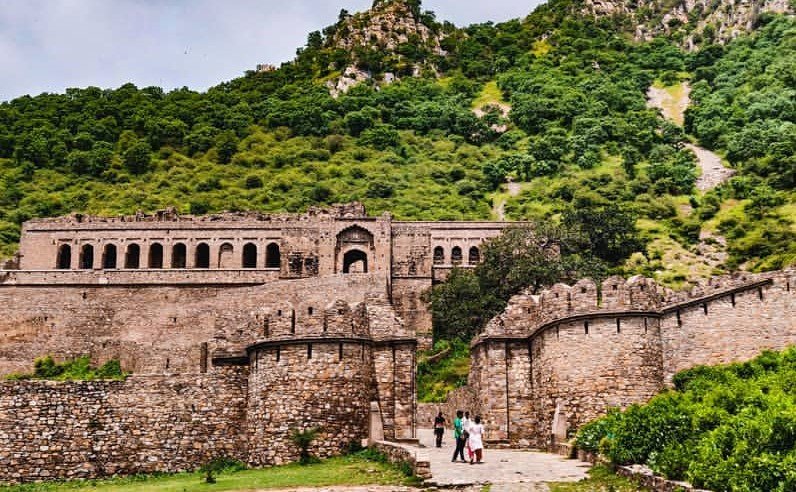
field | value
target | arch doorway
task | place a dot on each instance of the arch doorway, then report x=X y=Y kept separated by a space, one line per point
x=355 y=261
x=355 y=245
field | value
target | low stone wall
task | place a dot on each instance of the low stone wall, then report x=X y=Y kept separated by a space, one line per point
x=89 y=429
x=646 y=478
x=459 y=399
x=397 y=454
x=640 y=474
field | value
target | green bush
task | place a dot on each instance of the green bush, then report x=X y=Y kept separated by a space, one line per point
x=79 y=369
x=727 y=427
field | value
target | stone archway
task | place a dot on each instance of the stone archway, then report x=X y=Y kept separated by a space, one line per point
x=355 y=261
x=355 y=250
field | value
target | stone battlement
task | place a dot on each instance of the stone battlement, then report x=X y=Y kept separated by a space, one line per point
x=348 y=210
x=527 y=313
x=553 y=361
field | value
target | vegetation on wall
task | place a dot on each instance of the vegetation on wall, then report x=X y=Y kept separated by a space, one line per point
x=722 y=428
x=79 y=369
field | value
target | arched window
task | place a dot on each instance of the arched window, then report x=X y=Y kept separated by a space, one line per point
x=178 y=256
x=272 y=257
x=439 y=255
x=202 y=257
x=475 y=256
x=249 y=256
x=456 y=255
x=156 y=255
x=132 y=259
x=87 y=257
x=225 y=259
x=64 y=261
x=109 y=256
x=355 y=261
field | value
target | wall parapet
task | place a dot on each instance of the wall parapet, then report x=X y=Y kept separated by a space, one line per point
x=554 y=361
x=527 y=315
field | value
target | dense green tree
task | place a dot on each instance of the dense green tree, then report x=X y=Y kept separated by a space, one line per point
x=138 y=157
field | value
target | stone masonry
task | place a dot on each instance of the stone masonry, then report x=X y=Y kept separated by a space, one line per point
x=242 y=329
x=554 y=361
x=246 y=249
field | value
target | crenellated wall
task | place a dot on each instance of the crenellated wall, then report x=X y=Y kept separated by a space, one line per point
x=299 y=386
x=162 y=328
x=557 y=359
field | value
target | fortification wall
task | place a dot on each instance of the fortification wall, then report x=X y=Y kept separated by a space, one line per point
x=736 y=325
x=155 y=329
x=459 y=399
x=396 y=391
x=67 y=430
x=591 y=350
x=296 y=387
x=583 y=368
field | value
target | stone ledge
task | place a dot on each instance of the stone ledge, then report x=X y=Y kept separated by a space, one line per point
x=397 y=453
x=647 y=478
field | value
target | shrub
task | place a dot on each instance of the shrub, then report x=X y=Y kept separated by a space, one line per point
x=732 y=424
x=79 y=369
x=303 y=439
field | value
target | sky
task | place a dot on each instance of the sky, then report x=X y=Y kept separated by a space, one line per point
x=49 y=45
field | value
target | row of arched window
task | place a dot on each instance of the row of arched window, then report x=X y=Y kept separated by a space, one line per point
x=456 y=258
x=130 y=258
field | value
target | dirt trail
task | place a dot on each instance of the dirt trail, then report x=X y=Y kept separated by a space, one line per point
x=672 y=106
x=499 y=209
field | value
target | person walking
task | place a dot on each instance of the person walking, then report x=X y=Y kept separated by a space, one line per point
x=439 y=428
x=476 y=439
x=466 y=423
x=457 y=433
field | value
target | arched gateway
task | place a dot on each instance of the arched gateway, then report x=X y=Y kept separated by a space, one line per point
x=354 y=247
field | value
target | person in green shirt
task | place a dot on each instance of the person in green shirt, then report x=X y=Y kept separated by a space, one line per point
x=458 y=433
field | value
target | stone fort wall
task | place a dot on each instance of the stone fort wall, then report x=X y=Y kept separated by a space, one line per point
x=166 y=248
x=158 y=328
x=67 y=430
x=556 y=360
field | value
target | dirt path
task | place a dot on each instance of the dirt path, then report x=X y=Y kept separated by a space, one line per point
x=499 y=210
x=672 y=104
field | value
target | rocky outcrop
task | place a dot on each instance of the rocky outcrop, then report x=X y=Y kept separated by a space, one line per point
x=694 y=22
x=393 y=39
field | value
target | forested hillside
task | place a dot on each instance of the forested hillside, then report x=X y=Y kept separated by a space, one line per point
x=433 y=123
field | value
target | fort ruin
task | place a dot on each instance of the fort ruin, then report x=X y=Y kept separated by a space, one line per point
x=241 y=328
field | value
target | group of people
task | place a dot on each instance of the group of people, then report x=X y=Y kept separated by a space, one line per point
x=469 y=435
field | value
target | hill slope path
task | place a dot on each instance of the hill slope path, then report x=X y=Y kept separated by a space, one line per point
x=672 y=105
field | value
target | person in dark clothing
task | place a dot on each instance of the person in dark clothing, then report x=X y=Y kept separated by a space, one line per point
x=439 y=428
x=458 y=433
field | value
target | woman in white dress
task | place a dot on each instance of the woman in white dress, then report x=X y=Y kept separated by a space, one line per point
x=476 y=439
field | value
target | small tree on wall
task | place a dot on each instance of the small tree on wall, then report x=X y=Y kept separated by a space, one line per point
x=303 y=439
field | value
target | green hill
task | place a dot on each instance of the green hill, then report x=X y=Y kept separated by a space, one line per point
x=432 y=123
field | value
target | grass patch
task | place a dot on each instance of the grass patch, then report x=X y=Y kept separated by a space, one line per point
x=671 y=105
x=435 y=381
x=364 y=468
x=490 y=94
x=601 y=479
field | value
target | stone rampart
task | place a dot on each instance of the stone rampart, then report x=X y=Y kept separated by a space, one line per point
x=557 y=359
x=250 y=248
x=320 y=385
x=161 y=328
x=146 y=424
